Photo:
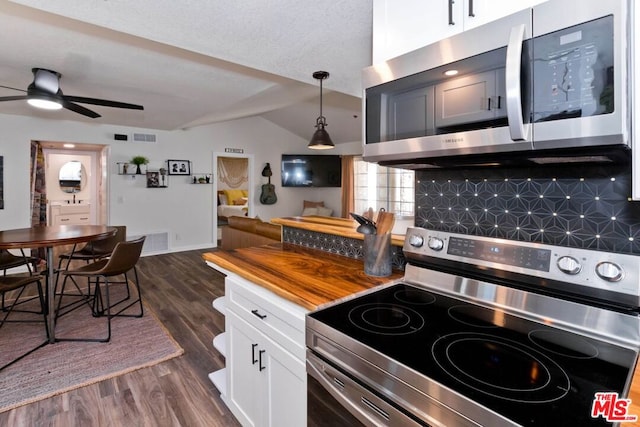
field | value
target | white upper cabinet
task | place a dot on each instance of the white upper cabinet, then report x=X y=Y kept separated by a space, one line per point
x=478 y=12
x=400 y=26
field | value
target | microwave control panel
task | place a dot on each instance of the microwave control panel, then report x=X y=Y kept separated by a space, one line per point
x=573 y=71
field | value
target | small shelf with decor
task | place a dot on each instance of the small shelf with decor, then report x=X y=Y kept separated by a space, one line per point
x=201 y=178
x=126 y=168
x=136 y=166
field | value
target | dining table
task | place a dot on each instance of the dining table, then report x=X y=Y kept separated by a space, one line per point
x=48 y=237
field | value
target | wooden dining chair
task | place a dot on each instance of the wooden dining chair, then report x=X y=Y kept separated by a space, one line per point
x=106 y=273
x=14 y=287
x=93 y=251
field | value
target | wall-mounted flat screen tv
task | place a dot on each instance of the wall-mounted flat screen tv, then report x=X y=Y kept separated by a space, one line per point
x=302 y=170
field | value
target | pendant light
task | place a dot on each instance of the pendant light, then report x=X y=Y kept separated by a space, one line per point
x=321 y=139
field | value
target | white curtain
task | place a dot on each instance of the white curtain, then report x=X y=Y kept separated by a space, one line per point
x=233 y=171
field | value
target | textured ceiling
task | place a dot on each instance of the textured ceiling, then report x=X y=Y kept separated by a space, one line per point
x=194 y=62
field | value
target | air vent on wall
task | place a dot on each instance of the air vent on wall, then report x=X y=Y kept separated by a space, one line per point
x=157 y=242
x=144 y=137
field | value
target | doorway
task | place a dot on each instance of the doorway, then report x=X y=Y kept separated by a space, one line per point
x=232 y=173
x=93 y=189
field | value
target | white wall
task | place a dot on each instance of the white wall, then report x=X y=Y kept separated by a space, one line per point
x=182 y=209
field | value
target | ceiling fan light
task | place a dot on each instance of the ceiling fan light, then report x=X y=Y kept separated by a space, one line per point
x=45 y=104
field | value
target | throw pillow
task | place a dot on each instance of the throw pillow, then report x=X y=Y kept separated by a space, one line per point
x=233 y=194
x=324 y=211
x=240 y=202
x=310 y=204
x=310 y=211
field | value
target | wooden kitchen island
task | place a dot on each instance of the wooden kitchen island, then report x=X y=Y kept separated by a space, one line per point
x=306 y=277
x=268 y=292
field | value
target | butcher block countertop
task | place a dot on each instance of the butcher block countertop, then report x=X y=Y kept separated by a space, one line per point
x=330 y=225
x=307 y=277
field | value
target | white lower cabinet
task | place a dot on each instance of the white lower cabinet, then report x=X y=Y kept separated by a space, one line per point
x=265 y=361
x=267 y=384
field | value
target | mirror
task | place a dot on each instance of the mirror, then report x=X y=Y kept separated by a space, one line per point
x=70 y=177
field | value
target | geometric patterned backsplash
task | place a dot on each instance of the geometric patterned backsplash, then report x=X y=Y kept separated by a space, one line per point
x=339 y=245
x=585 y=207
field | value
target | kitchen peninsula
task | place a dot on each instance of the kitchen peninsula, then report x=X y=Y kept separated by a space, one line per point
x=268 y=292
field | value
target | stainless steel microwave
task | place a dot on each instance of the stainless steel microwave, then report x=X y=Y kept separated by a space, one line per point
x=547 y=84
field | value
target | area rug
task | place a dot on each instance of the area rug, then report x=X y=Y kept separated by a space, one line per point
x=57 y=368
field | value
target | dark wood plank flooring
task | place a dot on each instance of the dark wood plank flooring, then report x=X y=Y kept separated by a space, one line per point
x=179 y=288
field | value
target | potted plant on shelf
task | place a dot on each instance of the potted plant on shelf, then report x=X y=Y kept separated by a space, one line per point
x=139 y=160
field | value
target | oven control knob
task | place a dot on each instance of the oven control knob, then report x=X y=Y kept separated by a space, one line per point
x=569 y=265
x=436 y=243
x=609 y=271
x=416 y=240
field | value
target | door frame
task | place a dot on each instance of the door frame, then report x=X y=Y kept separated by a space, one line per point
x=250 y=187
x=100 y=156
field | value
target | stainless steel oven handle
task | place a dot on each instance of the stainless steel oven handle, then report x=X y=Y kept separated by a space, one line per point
x=513 y=82
x=365 y=410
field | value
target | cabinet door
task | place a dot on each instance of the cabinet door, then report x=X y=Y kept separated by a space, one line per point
x=267 y=384
x=478 y=12
x=468 y=100
x=286 y=387
x=400 y=26
x=245 y=398
x=410 y=114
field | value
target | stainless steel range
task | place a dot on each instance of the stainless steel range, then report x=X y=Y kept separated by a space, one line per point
x=484 y=331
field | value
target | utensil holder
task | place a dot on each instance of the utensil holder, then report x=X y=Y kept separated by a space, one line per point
x=377 y=254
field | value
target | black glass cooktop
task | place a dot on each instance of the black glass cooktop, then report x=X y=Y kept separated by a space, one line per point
x=531 y=373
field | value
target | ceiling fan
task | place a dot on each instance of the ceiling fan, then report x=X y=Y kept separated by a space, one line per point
x=45 y=92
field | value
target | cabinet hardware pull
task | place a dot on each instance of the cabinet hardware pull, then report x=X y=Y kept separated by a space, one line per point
x=499 y=101
x=260 y=357
x=489 y=103
x=471 y=13
x=451 y=2
x=261 y=316
x=253 y=354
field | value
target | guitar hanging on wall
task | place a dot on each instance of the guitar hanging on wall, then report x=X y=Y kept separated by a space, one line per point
x=268 y=195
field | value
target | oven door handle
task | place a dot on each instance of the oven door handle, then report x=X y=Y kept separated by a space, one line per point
x=364 y=409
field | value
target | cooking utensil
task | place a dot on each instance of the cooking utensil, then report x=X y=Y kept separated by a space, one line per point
x=366 y=225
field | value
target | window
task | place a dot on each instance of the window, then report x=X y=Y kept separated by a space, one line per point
x=382 y=187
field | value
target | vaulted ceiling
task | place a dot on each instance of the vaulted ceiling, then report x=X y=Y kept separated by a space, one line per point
x=194 y=62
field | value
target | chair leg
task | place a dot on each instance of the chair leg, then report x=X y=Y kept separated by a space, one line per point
x=138 y=300
x=43 y=311
x=98 y=290
x=83 y=298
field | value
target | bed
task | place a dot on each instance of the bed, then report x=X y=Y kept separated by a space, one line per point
x=232 y=203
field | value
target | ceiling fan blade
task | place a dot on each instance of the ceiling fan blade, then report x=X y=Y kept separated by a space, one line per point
x=13 y=88
x=13 y=98
x=103 y=102
x=79 y=109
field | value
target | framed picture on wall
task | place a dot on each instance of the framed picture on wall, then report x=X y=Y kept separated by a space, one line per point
x=153 y=179
x=179 y=167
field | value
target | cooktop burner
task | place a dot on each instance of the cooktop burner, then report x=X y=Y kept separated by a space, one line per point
x=473 y=315
x=386 y=319
x=506 y=363
x=501 y=367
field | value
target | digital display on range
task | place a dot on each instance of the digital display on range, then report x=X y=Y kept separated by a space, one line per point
x=519 y=256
